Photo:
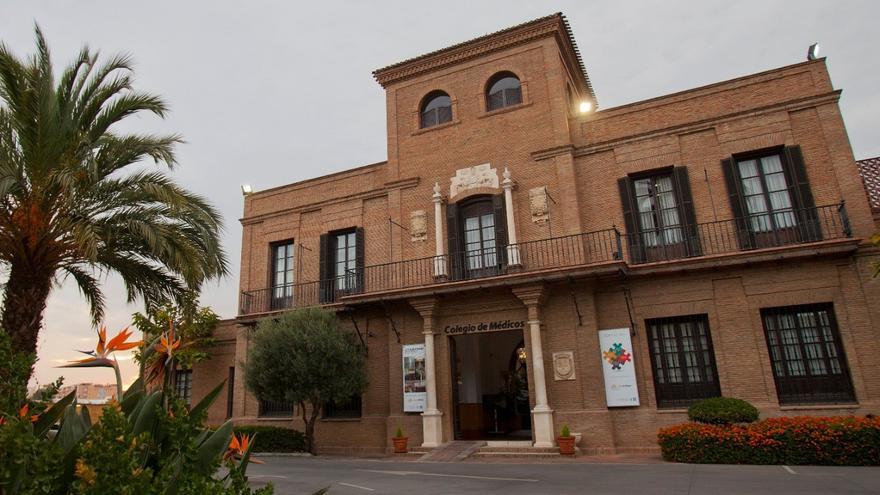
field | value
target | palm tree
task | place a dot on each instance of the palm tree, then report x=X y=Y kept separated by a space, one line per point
x=70 y=203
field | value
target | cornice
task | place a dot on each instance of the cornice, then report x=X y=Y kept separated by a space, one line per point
x=552 y=25
x=317 y=206
x=700 y=125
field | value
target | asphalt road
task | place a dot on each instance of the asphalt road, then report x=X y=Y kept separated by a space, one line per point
x=297 y=475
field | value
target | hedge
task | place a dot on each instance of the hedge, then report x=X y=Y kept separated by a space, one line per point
x=849 y=440
x=274 y=439
x=722 y=411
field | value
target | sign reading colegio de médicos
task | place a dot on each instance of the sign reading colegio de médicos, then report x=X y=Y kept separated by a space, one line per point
x=484 y=326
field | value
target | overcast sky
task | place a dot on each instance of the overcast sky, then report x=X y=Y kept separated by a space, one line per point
x=268 y=93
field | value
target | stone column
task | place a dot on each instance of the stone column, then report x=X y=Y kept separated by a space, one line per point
x=542 y=415
x=512 y=246
x=440 y=258
x=432 y=426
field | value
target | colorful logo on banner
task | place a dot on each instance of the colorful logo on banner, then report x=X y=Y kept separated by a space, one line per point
x=617 y=356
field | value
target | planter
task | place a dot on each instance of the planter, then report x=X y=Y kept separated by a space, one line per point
x=400 y=445
x=566 y=445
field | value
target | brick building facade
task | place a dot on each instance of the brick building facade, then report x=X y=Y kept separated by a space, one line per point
x=514 y=222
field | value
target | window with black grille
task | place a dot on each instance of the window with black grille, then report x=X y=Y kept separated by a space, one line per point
x=809 y=365
x=350 y=408
x=682 y=359
x=275 y=409
x=183 y=385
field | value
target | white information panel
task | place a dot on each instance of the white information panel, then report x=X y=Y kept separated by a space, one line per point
x=415 y=394
x=618 y=368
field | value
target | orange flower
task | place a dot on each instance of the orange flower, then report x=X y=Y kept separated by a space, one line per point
x=167 y=342
x=101 y=355
x=238 y=445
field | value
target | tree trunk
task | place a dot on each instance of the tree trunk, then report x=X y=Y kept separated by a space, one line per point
x=23 y=305
x=309 y=420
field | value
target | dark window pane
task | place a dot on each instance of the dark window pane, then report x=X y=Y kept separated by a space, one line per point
x=436 y=110
x=504 y=92
x=808 y=361
x=346 y=409
x=276 y=409
x=682 y=360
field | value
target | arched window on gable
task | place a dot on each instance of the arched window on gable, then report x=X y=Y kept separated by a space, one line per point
x=436 y=109
x=504 y=90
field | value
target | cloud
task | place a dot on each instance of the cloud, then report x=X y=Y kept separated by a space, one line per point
x=289 y=94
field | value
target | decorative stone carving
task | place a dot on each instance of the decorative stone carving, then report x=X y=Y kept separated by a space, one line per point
x=539 y=205
x=418 y=225
x=563 y=365
x=480 y=176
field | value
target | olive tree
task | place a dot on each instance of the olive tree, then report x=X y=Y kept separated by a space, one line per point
x=304 y=358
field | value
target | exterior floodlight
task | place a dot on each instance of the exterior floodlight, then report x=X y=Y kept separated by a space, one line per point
x=813 y=52
x=246 y=190
x=585 y=106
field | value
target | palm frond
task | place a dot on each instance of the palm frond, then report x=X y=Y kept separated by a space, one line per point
x=89 y=288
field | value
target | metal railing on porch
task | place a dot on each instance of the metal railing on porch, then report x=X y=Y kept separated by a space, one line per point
x=759 y=231
x=769 y=230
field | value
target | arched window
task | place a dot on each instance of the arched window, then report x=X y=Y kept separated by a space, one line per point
x=436 y=109
x=504 y=91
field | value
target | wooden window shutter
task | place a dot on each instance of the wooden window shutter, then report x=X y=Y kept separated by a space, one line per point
x=500 y=213
x=453 y=236
x=359 y=247
x=690 y=231
x=734 y=192
x=325 y=269
x=796 y=172
x=627 y=202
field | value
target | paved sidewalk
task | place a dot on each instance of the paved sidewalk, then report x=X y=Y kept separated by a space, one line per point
x=292 y=475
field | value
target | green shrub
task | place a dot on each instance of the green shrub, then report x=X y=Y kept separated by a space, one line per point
x=274 y=439
x=566 y=432
x=399 y=432
x=722 y=411
x=852 y=441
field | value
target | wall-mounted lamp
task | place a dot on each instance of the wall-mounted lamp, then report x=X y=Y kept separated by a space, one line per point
x=246 y=190
x=585 y=106
x=813 y=52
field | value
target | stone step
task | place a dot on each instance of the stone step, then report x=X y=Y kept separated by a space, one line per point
x=518 y=450
x=452 y=451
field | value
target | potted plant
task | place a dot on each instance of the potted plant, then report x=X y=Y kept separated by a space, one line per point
x=566 y=441
x=399 y=442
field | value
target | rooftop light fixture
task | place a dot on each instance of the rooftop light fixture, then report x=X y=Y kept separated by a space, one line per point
x=246 y=190
x=813 y=52
x=585 y=106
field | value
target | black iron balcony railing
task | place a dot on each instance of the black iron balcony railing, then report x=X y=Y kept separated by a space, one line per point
x=753 y=232
x=546 y=254
x=768 y=230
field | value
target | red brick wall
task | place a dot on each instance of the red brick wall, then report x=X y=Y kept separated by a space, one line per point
x=579 y=160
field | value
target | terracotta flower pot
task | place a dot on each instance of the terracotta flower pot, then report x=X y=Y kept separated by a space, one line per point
x=566 y=445
x=400 y=445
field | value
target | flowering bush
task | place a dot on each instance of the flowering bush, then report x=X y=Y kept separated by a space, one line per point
x=846 y=440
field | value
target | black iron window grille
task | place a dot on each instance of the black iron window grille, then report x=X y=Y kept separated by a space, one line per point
x=682 y=360
x=809 y=365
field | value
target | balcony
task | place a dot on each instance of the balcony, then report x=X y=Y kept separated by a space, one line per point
x=592 y=250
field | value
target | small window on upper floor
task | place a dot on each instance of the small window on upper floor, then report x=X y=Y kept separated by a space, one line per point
x=436 y=109
x=504 y=90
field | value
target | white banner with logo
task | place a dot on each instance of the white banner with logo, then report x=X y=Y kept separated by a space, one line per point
x=415 y=395
x=618 y=368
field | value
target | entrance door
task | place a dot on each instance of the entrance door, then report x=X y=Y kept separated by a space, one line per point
x=490 y=386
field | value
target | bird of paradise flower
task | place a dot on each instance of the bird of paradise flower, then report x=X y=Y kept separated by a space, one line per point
x=100 y=357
